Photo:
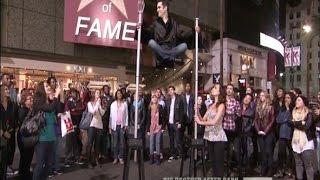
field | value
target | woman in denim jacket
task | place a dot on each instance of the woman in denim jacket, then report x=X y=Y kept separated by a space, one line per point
x=285 y=135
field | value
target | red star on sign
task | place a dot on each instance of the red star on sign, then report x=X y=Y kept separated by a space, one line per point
x=118 y=3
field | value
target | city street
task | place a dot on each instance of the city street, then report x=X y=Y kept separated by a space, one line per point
x=244 y=76
x=109 y=171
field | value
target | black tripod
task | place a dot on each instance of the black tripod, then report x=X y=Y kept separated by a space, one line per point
x=134 y=144
x=195 y=146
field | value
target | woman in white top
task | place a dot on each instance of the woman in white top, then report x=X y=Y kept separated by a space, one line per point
x=303 y=136
x=118 y=124
x=96 y=126
x=214 y=132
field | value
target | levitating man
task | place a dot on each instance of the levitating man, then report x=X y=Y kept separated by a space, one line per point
x=165 y=37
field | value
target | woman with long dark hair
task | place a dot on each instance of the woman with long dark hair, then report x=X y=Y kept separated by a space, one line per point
x=303 y=138
x=117 y=125
x=214 y=132
x=278 y=100
x=283 y=120
x=26 y=152
x=96 y=126
x=264 y=125
x=46 y=101
x=245 y=124
x=7 y=128
x=277 y=103
x=202 y=109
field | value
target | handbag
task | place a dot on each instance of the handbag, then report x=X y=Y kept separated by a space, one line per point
x=86 y=120
x=33 y=124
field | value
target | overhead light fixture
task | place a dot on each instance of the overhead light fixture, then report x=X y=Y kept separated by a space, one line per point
x=89 y=70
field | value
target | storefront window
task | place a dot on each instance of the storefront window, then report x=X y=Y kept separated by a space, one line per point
x=247 y=62
x=29 y=78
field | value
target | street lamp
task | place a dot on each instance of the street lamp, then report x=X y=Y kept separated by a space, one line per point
x=281 y=74
x=307 y=28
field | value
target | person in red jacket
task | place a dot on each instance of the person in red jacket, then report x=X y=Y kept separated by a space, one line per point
x=264 y=122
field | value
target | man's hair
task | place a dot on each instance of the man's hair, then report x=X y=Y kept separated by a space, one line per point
x=297 y=90
x=230 y=85
x=172 y=88
x=187 y=83
x=105 y=86
x=164 y=3
x=4 y=74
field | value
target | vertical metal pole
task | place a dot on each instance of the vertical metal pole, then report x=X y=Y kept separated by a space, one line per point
x=140 y=9
x=221 y=39
x=291 y=67
x=291 y=62
x=308 y=71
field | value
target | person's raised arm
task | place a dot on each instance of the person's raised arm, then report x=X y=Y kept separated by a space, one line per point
x=211 y=122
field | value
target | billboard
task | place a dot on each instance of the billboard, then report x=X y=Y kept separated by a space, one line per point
x=101 y=22
x=292 y=56
x=271 y=43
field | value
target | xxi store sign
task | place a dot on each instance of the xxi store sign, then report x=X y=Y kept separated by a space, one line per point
x=101 y=22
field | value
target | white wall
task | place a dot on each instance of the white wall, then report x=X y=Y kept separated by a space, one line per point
x=230 y=47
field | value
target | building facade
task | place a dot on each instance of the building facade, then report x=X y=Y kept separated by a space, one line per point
x=241 y=60
x=32 y=41
x=307 y=12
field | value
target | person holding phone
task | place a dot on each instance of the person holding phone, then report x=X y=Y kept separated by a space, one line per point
x=52 y=81
x=45 y=101
x=96 y=127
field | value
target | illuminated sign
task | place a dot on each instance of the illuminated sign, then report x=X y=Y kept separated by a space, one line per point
x=271 y=43
x=101 y=22
x=292 y=56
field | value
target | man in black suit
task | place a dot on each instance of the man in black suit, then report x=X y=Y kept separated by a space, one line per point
x=188 y=109
x=174 y=107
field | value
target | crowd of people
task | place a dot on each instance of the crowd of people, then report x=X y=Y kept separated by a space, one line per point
x=246 y=127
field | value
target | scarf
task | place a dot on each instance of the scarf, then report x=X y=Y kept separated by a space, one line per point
x=299 y=137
